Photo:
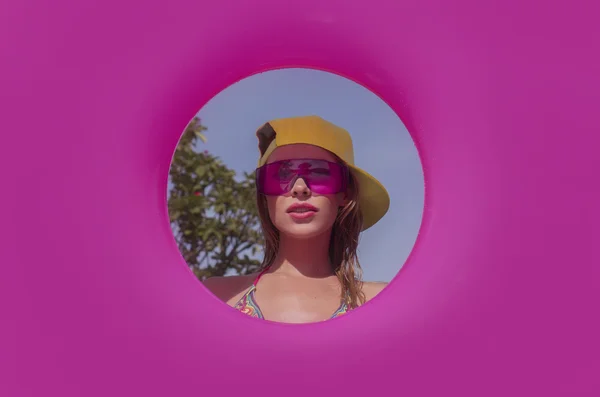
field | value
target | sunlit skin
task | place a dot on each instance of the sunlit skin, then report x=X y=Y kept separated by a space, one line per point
x=300 y=285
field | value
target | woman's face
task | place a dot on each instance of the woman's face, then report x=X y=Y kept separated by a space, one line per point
x=314 y=213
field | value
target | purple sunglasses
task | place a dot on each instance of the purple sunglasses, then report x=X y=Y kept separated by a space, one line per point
x=321 y=176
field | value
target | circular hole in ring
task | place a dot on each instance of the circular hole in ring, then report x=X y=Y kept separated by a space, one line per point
x=211 y=197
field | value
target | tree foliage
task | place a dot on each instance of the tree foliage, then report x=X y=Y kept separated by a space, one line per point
x=213 y=214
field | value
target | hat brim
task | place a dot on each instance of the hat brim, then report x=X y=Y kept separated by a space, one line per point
x=373 y=198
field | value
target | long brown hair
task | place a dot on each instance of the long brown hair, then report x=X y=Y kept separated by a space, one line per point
x=343 y=243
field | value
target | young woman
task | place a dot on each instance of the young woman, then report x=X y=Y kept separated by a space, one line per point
x=313 y=203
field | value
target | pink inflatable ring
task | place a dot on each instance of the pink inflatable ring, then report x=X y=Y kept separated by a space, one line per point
x=500 y=296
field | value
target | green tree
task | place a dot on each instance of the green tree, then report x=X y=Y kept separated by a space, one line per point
x=213 y=215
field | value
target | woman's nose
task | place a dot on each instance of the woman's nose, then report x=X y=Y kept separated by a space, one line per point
x=300 y=188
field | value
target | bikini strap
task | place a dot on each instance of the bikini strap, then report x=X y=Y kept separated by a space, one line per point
x=259 y=276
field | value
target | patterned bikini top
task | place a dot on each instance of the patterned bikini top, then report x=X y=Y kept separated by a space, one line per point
x=247 y=303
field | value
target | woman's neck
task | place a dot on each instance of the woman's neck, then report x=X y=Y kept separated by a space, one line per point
x=305 y=257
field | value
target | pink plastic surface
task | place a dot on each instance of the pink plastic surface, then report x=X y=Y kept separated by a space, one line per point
x=500 y=296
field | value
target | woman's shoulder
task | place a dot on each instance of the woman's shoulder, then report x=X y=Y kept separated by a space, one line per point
x=228 y=288
x=372 y=288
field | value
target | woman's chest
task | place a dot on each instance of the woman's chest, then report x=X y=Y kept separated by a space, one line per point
x=297 y=305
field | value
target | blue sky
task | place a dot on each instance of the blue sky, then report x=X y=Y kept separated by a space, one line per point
x=382 y=147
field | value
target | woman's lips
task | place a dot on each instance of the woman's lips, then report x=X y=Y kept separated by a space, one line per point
x=302 y=211
x=302 y=215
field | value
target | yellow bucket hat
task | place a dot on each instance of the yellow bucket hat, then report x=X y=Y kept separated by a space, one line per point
x=373 y=198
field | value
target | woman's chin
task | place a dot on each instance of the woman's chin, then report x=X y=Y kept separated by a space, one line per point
x=303 y=231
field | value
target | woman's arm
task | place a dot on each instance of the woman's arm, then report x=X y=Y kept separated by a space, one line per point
x=228 y=289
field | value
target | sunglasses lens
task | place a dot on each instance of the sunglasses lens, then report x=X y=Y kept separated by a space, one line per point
x=322 y=177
